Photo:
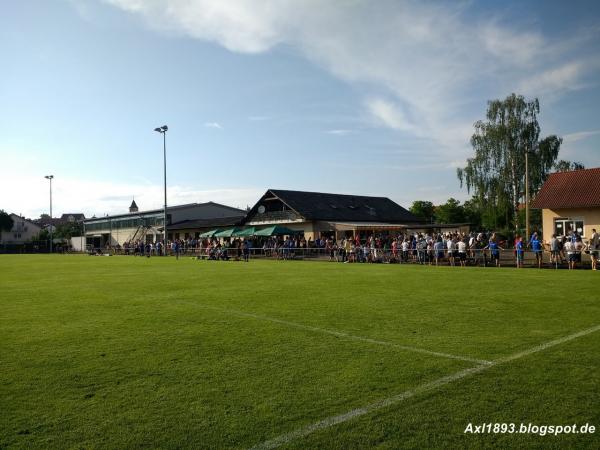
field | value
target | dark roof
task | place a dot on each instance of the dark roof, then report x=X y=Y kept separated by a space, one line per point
x=76 y=216
x=205 y=223
x=574 y=189
x=133 y=204
x=340 y=207
x=169 y=208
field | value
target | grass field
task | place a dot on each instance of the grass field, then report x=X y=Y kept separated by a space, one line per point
x=126 y=352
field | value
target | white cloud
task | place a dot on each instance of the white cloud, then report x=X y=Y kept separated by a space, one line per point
x=339 y=132
x=216 y=125
x=389 y=114
x=96 y=197
x=579 y=136
x=555 y=80
x=424 y=64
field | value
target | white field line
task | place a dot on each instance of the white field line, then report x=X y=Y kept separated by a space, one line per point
x=341 y=418
x=341 y=334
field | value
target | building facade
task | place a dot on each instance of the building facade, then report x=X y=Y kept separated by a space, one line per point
x=23 y=230
x=147 y=226
x=570 y=201
x=319 y=214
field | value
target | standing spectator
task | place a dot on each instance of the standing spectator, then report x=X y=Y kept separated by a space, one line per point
x=520 y=252
x=594 y=246
x=438 y=248
x=569 y=249
x=578 y=246
x=554 y=251
x=494 y=250
x=536 y=246
x=462 y=252
x=451 y=248
x=246 y=250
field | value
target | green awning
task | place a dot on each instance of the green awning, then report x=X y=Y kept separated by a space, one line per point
x=245 y=232
x=208 y=234
x=227 y=232
x=276 y=230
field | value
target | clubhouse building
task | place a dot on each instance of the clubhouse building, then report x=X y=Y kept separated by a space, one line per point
x=318 y=214
x=570 y=201
x=313 y=214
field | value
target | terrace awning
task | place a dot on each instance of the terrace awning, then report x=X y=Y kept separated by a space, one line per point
x=276 y=230
x=208 y=234
x=227 y=232
x=245 y=232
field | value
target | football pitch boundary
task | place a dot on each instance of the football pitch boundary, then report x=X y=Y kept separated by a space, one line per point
x=381 y=404
x=331 y=421
x=341 y=334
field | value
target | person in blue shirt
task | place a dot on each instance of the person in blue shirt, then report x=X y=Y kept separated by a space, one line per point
x=494 y=250
x=536 y=246
x=520 y=252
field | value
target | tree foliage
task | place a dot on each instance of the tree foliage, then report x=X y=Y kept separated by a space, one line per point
x=450 y=212
x=424 y=210
x=6 y=222
x=567 y=166
x=67 y=230
x=496 y=174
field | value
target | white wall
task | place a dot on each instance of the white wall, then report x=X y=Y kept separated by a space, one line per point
x=22 y=231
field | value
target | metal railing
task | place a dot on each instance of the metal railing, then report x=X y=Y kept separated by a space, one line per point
x=472 y=257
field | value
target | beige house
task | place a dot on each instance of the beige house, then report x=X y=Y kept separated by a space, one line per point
x=23 y=230
x=570 y=201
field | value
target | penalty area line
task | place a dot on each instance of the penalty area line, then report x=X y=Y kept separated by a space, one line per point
x=344 y=335
x=341 y=418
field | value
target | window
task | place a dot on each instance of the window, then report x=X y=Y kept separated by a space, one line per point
x=564 y=226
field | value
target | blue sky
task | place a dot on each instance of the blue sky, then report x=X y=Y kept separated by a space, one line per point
x=374 y=98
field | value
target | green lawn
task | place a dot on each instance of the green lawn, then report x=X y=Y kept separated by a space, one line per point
x=124 y=352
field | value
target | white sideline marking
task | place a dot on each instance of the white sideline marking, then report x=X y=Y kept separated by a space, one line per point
x=334 y=420
x=346 y=335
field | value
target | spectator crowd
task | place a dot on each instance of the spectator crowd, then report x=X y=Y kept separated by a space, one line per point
x=451 y=248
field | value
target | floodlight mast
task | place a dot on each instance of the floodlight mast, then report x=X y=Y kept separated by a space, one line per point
x=49 y=177
x=163 y=131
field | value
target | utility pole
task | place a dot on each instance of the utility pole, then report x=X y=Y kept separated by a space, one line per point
x=50 y=177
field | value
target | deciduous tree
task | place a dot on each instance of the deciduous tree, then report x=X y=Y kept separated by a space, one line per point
x=496 y=173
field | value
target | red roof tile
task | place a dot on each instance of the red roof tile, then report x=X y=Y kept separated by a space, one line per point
x=575 y=189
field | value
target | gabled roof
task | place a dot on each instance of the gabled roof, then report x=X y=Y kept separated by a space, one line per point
x=133 y=204
x=574 y=189
x=76 y=216
x=169 y=209
x=340 y=207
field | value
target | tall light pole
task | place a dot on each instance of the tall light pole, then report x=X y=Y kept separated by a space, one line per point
x=527 y=236
x=163 y=131
x=49 y=177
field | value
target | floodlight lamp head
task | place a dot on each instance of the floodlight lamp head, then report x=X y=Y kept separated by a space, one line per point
x=164 y=128
x=158 y=130
x=49 y=177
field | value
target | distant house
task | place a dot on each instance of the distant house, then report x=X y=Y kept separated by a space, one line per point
x=570 y=201
x=23 y=230
x=319 y=214
x=72 y=218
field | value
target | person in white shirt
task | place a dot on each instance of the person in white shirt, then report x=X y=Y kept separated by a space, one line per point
x=569 y=249
x=462 y=252
x=450 y=246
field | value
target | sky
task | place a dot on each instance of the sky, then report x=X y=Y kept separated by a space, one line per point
x=356 y=97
